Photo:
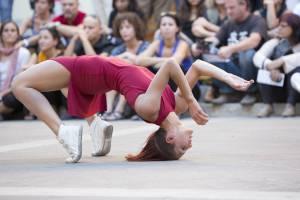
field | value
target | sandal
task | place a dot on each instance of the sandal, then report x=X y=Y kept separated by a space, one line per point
x=115 y=116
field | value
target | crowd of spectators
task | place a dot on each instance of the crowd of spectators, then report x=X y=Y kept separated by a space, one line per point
x=257 y=40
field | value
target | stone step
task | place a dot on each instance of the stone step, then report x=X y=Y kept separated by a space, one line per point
x=236 y=109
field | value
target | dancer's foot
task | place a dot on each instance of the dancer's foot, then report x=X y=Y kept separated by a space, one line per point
x=71 y=139
x=238 y=83
x=101 y=133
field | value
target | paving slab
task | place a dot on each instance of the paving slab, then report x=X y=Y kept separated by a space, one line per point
x=232 y=158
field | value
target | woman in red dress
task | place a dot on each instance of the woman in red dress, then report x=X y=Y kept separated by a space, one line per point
x=88 y=78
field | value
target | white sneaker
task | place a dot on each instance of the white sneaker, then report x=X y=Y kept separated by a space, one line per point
x=71 y=139
x=101 y=133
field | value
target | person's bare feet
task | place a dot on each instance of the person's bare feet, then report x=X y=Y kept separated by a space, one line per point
x=238 y=83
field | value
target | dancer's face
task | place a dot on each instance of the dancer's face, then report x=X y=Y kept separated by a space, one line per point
x=181 y=137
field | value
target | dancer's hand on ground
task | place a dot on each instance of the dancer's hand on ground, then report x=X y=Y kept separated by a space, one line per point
x=196 y=112
x=238 y=83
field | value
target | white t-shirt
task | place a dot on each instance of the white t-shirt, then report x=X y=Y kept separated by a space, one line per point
x=23 y=58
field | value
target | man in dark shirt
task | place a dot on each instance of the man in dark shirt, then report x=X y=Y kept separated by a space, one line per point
x=91 y=40
x=238 y=39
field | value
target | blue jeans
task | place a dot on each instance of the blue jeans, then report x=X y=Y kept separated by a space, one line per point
x=6 y=10
x=241 y=65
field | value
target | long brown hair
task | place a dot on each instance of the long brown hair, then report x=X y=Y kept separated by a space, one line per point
x=156 y=149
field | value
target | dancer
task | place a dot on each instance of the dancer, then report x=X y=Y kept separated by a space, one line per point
x=88 y=78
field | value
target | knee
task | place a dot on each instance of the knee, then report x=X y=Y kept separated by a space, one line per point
x=16 y=84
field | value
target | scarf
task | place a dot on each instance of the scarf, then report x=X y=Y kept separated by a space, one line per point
x=12 y=65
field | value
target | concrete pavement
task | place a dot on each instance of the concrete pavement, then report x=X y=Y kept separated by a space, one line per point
x=231 y=158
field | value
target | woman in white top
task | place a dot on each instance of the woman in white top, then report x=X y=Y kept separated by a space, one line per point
x=11 y=61
x=281 y=55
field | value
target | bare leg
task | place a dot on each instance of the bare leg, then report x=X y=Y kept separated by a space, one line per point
x=147 y=105
x=201 y=68
x=27 y=88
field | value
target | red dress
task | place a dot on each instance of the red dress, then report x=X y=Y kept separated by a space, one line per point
x=93 y=76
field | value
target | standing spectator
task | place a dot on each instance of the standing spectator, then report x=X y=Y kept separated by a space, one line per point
x=130 y=28
x=6 y=10
x=90 y=40
x=71 y=14
x=120 y=6
x=281 y=55
x=238 y=39
x=11 y=61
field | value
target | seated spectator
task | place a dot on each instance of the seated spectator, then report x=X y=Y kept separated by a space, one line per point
x=43 y=14
x=71 y=14
x=152 y=10
x=169 y=45
x=238 y=39
x=205 y=27
x=130 y=28
x=190 y=11
x=90 y=40
x=120 y=6
x=209 y=26
x=281 y=55
x=272 y=11
x=11 y=61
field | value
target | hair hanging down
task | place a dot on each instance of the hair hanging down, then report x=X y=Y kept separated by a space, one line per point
x=155 y=149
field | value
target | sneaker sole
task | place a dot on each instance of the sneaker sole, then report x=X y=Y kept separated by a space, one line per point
x=79 y=147
x=106 y=142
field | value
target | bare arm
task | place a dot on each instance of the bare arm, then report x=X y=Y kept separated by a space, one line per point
x=71 y=46
x=146 y=58
x=272 y=19
x=248 y=43
x=170 y=69
x=87 y=46
x=202 y=28
x=24 y=26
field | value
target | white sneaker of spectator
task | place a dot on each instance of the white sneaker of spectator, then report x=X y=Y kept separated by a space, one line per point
x=71 y=138
x=101 y=134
